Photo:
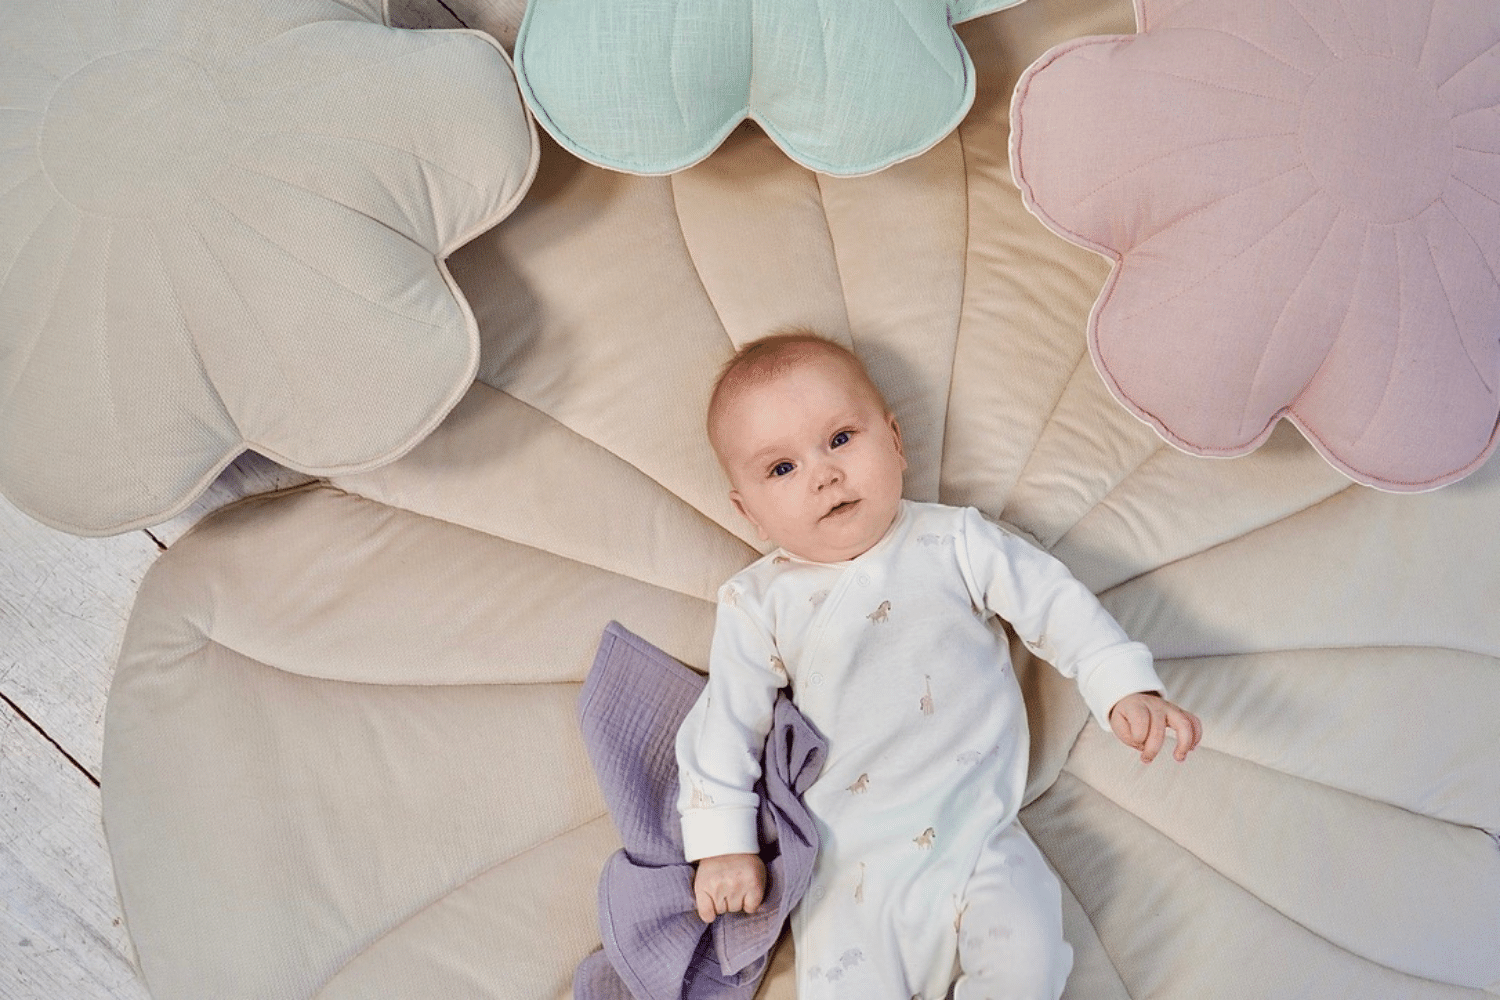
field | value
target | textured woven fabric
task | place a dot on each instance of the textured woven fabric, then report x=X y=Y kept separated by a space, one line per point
x=222 y=226
x=654 y=86
x=632 y=704
x=1303 y=204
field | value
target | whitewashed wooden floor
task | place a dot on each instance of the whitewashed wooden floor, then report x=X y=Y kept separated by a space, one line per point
x=64 y=602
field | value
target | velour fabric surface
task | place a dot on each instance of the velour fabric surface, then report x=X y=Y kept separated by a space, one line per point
x=342 y=758
x=1302 y=201
x=654 y=86
x=633 y=701
x=222 y=226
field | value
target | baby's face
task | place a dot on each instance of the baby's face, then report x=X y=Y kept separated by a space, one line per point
x=814 y=460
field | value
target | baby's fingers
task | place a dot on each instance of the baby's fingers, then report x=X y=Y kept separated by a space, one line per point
x=1127 y=725
x=1155 y=736
x=705 y=904
x=753 y=897
x=1188 y=729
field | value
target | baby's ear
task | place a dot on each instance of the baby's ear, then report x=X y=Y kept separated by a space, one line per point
x=739 y=505
x=896 y=433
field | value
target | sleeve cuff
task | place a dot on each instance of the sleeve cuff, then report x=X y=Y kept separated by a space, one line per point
x=1127 y=670
x=707 y=833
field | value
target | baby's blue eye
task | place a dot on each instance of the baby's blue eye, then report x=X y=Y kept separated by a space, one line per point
x=782 y=469
x=840 y=439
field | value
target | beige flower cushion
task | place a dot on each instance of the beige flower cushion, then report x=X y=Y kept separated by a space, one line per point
x=222 y=226
x=342 y=757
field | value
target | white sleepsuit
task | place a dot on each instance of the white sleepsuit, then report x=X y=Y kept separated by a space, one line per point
x=892 y=656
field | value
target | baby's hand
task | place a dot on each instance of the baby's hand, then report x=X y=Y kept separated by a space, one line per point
x=1141 y=722
x=727 y=883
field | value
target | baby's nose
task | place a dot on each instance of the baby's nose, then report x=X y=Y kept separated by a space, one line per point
x=829 y=474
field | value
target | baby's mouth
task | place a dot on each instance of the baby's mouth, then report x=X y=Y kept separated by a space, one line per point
x=840 y=509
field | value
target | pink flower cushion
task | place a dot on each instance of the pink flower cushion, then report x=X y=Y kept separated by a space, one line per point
x=1303 y=208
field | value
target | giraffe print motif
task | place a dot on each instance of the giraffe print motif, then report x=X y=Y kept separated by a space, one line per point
x=780 y=559
x=859 y=890
x=927 y=706
x=880 y=614
x=701 y=799
x=729 y=597
x=958 y=913
x=817 y=597
x=861 y=785
x=778 y=667
x=924 y=839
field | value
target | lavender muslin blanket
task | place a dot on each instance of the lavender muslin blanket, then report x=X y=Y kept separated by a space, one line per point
x=655 y=947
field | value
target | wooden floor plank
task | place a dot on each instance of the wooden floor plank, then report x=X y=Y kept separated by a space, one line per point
x=502 y=18
x=61 y=935
x=423 y=14
x=64 y=602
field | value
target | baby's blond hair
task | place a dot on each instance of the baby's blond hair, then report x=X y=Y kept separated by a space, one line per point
x=770 y=357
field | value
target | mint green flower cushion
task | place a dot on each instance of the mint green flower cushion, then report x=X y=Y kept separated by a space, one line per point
x=654 y=86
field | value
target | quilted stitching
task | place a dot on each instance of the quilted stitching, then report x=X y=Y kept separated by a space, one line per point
x=223 y=228
x=654 y=86
x=1304 y=213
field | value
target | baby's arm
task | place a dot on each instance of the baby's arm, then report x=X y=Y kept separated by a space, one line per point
x=1058 y=615
x=1141 y=722
x=719 y=749
x=729 y=883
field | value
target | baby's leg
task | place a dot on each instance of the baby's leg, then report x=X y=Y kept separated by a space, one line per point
x=1010 y=941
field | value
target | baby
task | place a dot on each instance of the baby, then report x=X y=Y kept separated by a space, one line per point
x=875 y=611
